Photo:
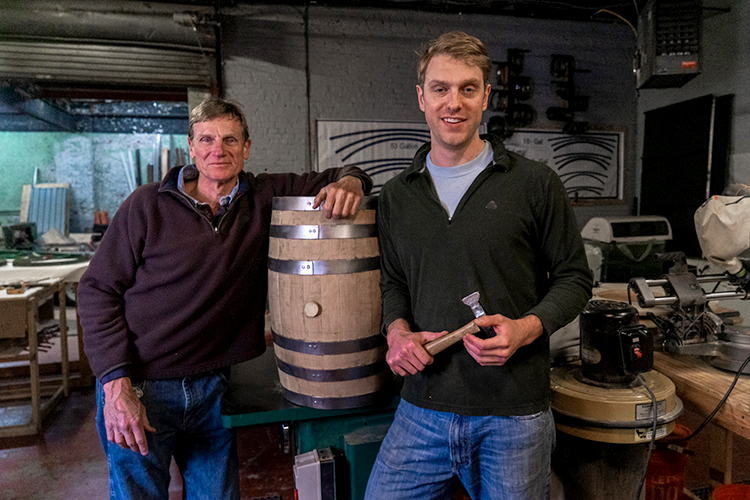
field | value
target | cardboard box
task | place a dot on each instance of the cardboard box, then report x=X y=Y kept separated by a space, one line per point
x=13 y=318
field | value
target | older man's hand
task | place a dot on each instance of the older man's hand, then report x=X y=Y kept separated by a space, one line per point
x=125 y=417
x=340 y=199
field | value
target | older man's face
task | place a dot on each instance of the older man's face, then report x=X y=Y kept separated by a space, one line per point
x=218 y=148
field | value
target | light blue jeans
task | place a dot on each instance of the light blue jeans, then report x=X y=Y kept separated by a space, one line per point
x=186 y=415
x=496 y=458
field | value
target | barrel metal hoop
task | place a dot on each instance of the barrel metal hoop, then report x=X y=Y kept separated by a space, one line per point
x=326 y=348
x=331 y=403
x=325 y=232
x=305 y=203
x=320 y=267
x=335 y=375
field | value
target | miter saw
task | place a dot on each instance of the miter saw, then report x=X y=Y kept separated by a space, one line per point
x=691 y=326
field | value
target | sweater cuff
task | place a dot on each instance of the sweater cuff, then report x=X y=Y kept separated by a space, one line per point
x=353 y=171
x=115 y=374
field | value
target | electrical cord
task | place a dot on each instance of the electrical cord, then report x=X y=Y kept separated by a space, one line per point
x=651 y=443
x=721 y=403
x=723 y=400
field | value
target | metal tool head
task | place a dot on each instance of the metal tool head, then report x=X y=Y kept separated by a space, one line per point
x=472 y=300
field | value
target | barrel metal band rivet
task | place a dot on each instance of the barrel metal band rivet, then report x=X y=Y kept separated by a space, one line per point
x=320 y=267
x=324 y=232
x=305 y=203
x=325 y=348
x=331 y=403
x=333 y=375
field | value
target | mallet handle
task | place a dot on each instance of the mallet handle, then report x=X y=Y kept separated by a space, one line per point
x=440 y=344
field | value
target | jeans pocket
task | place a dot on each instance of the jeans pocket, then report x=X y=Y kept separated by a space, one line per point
x=527 y=417
x=224 y=374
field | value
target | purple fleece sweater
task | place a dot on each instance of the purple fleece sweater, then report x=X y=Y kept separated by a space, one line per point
x=171 y=294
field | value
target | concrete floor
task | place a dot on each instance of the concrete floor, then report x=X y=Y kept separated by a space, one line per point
x=66 y=460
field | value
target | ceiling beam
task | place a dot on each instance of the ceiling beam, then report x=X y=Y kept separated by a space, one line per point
x=12 y=97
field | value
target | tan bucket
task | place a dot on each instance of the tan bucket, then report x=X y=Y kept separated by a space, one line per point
x=324 y=298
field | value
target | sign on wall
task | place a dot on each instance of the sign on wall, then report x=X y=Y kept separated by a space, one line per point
x=590 y=165
x=382 y=149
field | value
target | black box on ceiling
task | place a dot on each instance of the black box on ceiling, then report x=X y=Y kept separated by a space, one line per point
x=669 y=43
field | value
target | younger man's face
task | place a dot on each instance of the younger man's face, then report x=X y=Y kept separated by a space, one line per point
x=453 y=98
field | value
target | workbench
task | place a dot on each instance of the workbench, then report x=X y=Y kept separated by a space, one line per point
x=20 y=343
x=254 y=398
x=701 y=386
x=69 y=275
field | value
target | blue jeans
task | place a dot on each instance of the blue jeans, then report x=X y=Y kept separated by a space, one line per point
x=496 y=458
x=186 y=415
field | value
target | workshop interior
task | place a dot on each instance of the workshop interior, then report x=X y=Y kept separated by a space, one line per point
x=642 y=107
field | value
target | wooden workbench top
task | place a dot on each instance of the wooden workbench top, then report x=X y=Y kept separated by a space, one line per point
x=701 y=386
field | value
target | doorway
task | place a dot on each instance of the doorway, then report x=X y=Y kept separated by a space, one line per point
x=685 y=161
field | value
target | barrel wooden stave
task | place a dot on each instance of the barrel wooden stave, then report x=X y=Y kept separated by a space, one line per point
x=331 y=362
x=342 y=249
x=327 y=310
x=349 y=306
x=343 y=389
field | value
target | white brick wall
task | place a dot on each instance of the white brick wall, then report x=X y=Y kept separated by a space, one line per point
x=363 y=67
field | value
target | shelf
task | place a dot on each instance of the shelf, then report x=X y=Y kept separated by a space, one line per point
x=33 y=314
x=11 y=350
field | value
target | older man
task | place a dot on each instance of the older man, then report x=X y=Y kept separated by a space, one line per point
x=176 y=294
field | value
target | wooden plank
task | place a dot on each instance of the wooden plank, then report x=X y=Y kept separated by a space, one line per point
x=164 y=162
x=700 y=386
x=65 y=185
x=25 y=201
x=720 y=468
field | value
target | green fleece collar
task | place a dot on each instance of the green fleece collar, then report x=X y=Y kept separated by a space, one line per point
x=500 y=160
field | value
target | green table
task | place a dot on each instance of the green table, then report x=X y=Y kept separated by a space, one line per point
x=254 y=398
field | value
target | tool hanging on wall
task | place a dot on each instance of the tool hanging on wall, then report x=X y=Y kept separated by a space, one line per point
x=513 y=87
x=563 y=69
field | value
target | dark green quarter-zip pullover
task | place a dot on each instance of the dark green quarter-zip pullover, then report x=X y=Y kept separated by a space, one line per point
x=514 y=239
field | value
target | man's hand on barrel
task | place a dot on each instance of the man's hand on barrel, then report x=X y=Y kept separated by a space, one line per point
x=406 y=354
x=341 y=198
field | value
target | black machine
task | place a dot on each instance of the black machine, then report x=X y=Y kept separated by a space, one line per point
x=692 y=327
x=669 y=43
x=614 y=347
x=20 y=236
x=611 y=396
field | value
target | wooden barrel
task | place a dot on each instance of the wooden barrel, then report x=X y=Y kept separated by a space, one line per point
x=324 y=301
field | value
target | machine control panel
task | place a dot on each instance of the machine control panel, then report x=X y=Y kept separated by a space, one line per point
x=638 y=349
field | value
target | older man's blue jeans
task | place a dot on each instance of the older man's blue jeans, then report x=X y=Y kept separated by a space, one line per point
x=186 y=415
x=496 y=458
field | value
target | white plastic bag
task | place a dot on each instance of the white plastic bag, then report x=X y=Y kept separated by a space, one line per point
x=722 y=224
